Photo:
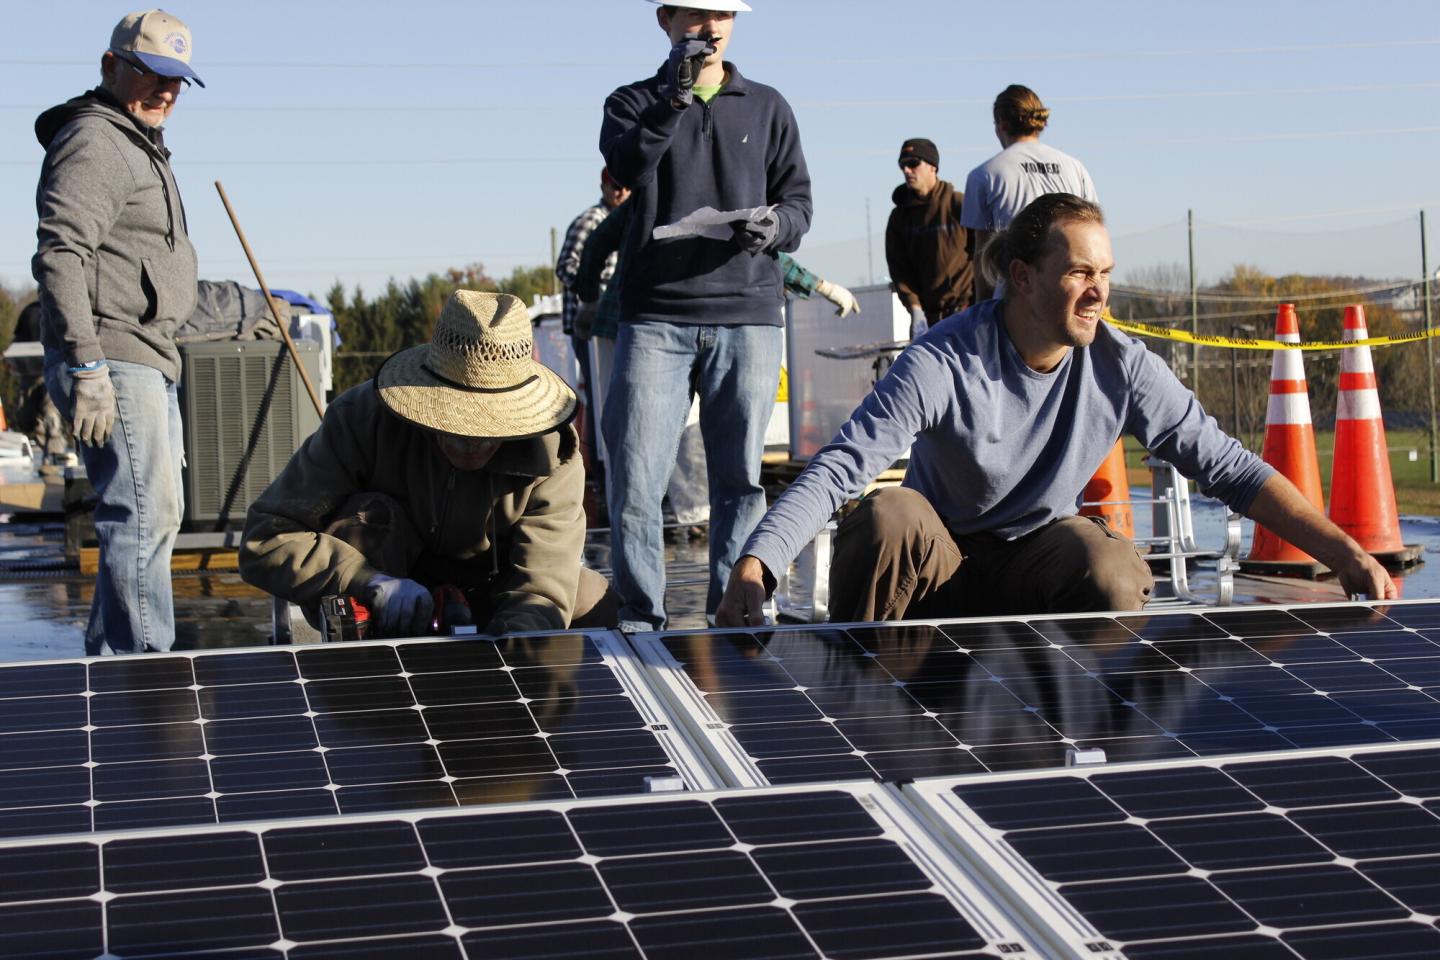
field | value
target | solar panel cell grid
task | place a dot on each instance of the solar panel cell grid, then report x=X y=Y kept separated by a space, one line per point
x=949 y=698
x=1308 y=856
x=824 y=872
x=220 y=737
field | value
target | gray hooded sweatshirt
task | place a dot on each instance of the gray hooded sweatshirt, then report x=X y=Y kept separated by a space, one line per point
x=114 y=264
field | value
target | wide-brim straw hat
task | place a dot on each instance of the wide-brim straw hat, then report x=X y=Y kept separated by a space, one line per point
x=477 y=377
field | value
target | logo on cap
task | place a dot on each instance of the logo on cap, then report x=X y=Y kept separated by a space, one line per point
x=176 y=41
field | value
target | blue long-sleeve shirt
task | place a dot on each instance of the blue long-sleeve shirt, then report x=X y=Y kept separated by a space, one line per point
x=1001 y=448
x=742 y=149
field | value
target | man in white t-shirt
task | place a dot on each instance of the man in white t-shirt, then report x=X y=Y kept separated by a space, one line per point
x=1022 y=171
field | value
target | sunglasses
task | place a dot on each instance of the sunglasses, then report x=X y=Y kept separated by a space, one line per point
x=910 y=163
x=143 y=71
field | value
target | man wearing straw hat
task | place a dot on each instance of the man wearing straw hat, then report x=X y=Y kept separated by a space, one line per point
x=117 y=273
x=456 y=467
x=699 y=309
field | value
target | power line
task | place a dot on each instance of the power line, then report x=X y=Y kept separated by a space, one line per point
x=816 y=104
x=1109 y=53
x=532 y=159
x=1149 y=293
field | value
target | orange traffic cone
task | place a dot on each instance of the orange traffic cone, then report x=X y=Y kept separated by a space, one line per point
x=1362 y=495
x=1108 y=494
x=1290 y=448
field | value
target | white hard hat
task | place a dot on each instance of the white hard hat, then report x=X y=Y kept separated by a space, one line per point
x=731 y=6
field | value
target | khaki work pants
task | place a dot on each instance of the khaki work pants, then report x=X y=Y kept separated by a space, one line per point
x=895 y=560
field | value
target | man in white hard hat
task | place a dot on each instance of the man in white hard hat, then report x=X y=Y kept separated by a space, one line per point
x=117 y=273
x=696 y=311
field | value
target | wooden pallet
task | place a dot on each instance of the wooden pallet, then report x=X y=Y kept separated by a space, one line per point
x=189 y=561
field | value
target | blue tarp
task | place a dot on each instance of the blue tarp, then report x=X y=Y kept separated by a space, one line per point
x=300 y=300
x=313 y=306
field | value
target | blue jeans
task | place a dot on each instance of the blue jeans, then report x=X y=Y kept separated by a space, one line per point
x=136 y=476
x=735 y=371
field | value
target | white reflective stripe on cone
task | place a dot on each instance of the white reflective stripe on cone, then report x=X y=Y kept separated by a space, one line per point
x=1356 y=359
x=1287 y=408
x=1357 y=405
x=1287 y=365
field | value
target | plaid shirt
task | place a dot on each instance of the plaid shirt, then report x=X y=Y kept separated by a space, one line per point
x=798 y=281
x=568 y=264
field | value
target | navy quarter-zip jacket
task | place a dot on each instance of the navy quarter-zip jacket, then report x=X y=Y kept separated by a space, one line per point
x=740 y=150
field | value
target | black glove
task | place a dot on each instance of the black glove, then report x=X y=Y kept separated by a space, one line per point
x=754 y=236
x=686 y=59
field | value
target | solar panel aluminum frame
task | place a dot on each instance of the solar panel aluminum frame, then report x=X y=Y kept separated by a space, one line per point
x=702 y=725
x=693 y=768
x=1008 y=877
x=892 y=813
x=706 y=728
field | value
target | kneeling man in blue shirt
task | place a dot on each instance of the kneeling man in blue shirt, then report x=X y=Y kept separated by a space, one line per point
x=1009 y=409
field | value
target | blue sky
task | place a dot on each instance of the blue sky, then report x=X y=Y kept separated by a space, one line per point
x=360 y=141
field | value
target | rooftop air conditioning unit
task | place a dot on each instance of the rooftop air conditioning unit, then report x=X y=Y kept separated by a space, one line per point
x=245 y=412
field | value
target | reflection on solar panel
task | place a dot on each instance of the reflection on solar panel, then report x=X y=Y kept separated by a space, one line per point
x=840 y=872
x=1316 y=854
x=224 y=736
x=945 y=698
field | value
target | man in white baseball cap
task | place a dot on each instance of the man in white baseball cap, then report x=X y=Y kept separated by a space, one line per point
x=696 y=312
x=117 y=274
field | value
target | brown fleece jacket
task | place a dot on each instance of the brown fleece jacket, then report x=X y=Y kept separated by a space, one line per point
x=928 y=251
x=516 y=524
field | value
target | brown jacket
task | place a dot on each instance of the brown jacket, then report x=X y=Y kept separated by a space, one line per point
x=516 y=525
x=928 y=251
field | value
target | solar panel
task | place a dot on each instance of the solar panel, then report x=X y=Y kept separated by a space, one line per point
x=1312 y=854
x=841 y=872
x=223 y=736
x=945 y=698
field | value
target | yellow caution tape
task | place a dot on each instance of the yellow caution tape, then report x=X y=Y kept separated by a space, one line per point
x=1211 y=340
x=782 y=393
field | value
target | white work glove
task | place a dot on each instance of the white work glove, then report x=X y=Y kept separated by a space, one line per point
x=918 y=323
x=94 y=397
x=401 y=607
x=843 y=299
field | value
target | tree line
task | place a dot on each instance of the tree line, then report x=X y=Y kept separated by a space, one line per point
x=1234 y=384
x=404 y=314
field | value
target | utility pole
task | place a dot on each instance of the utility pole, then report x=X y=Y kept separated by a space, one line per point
x=869 y=243
x=1194 y=308
x=554 y=255
x=1429 y=350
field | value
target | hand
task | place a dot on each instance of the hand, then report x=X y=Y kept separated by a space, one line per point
x=686 y=59
x=918 y=323
x=1362 y=574
x=453 y=609
x=401 y=607
x=94 y=417
x=753 y=236
x=844 y=300
x=744 y=600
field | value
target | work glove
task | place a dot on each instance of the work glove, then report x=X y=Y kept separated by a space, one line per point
x=753 y=236
x=400 y=607
x=453 y=607
x=94 y=397
x=686 y=59
x=844 y=300
x=918 y=323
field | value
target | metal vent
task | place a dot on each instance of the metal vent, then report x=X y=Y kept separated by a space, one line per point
x=245 y=412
